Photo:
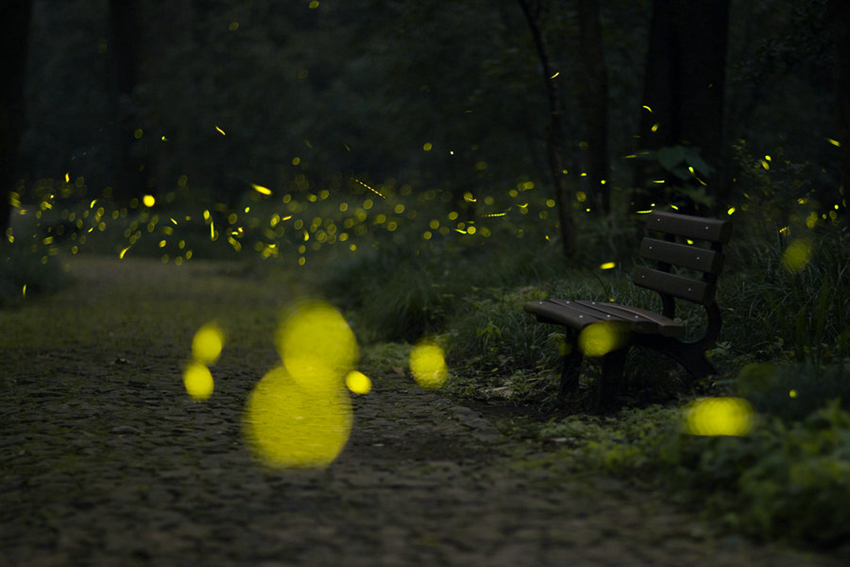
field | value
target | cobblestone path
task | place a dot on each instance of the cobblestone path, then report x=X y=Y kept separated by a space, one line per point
x=104 y=459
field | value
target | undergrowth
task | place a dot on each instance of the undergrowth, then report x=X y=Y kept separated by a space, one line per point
x=787 y=479
x=27 y=269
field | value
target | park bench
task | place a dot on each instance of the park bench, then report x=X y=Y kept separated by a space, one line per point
x=684 y=257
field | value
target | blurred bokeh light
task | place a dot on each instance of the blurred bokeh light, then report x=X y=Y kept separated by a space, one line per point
x=198 y=381
x=719 y=416
x=797 y=255
x=599 y=339
x=428 y=365
x=207 y=344
x=317 y=346
x=299 y=415
x=289 y=424
x=358 y=382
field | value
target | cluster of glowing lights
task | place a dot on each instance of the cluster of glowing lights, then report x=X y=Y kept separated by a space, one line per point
x=299 y=415
x=287 y=225
x=719 y=416
x=240 y=225
x=206 y=349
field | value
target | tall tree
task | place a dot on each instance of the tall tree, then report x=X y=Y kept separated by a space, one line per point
x=839 y=15
x=126 y=39
x=595 y=104
x=683 y=87
x=14 y=39
x=555 y=131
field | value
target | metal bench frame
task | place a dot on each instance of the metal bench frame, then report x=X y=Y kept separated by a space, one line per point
x=643 y=328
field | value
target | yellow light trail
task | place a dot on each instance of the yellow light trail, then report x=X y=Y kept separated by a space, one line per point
x=375 y=191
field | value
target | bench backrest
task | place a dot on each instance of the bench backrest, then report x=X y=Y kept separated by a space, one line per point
x=692 y=246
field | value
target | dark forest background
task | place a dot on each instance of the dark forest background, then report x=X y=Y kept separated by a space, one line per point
x=194 y=101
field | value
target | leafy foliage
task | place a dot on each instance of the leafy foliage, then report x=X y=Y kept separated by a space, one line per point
x=783 y=481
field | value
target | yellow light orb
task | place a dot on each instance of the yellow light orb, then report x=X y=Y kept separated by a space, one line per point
x=797 y=255
x=149 y=200
x=719 y=416
x=198 y=381
x=358 y=382
x=599 y=339
x=428 y=365
x=316 y=343
x=288 y=425
x=207 y=344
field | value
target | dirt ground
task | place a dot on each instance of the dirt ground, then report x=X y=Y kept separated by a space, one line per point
x=104 y=459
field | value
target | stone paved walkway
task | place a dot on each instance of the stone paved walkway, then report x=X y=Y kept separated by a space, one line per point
x=104 y=460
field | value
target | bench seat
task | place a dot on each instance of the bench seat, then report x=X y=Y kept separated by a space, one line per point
x=579 y=314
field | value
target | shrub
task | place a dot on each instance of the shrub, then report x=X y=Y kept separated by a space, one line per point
x=31 y=265
x=787 y=482
x=794 y=391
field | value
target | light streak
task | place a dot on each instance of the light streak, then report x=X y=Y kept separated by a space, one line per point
x=375 y=191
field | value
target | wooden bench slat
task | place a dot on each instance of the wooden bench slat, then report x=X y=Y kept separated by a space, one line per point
x=580 y=314
x=565 y=312
x=595 y=312
x=678 y=286
x=693 y=257
x=696 y=228
x=662 y=325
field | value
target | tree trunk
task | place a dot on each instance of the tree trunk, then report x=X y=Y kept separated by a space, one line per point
x=839 y=15
x=595 y=105
x=125 y=28
x=555 y=132
x=683 y=86
x=14 y=39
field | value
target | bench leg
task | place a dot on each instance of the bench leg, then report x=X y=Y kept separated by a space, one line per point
x=698 y=366
x=570 y=370
x=690 y=356
x=613 y=365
